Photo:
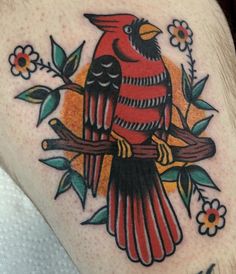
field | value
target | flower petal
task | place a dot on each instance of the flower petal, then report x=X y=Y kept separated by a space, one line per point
x=14 y=71
x=18 y=50
x=25 y=74
x=176 y=22
x=32 y=67
x=11 y=59
x=200 y=217
x=171 y=29
x=189 y=31
x=212 y=231
x=28 y=49
x=202 y=229
x=184 y=24
x=34 y=56
x=215 y=204
x=174 y=41
x=222 y=211
x=183 y=46
x=221 y=223
x=189 y=40
x=206 y=206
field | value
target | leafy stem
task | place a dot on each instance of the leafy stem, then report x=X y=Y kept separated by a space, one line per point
x=74 y=157
x=200 y=192
x=191 y=63
x=50 y=69
x=187 y=113
x=73 y=87
x=192 y=76
x=182 y=118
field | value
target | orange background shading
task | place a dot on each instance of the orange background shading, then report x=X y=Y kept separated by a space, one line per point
x=72 y=117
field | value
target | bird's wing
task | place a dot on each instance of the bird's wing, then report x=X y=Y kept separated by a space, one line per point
x=100 y=98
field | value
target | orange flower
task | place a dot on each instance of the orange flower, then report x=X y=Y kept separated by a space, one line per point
x=23 y=61
x=181 y=34
x=211 y=218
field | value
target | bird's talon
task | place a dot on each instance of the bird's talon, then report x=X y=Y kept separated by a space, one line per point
x=165 y=159
x=124 y=148
x=119 y=148
x=164 y=151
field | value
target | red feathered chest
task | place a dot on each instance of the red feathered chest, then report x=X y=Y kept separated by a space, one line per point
x=142 y=100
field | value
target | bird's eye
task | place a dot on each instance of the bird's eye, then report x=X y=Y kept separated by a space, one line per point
x=128 y=29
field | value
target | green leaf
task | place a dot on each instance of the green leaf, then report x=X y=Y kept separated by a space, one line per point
x=198 y=87
x=98 y=218
x=203 y=105
x=185 y=188
x=59 y=163
x=171 y=174
x=201 y=125
x=78 y=185
x=64 y=184
x=58 y=55
x=72 y=62
x=49 y=105
x=182 y=118
x=186 y=86
x=201 y=177
x=34 y=95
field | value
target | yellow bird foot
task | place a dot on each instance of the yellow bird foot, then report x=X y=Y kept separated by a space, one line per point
x=164 y=151
x=124 y=148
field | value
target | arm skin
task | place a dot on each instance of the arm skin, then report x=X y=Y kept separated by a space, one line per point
x=92 y=250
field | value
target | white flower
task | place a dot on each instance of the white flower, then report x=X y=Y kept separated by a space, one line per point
x=181 y=34
x=211 y=218
x=23 y=61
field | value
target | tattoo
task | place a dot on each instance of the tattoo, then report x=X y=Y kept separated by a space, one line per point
x=130 y=107
x=210 y=270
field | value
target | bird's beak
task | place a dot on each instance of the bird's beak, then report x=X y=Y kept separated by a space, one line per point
x=148 y=31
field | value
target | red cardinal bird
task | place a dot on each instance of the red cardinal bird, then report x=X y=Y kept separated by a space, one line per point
x=128 y=98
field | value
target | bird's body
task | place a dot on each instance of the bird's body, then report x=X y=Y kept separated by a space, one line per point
x=141 y=101
x=128 y=98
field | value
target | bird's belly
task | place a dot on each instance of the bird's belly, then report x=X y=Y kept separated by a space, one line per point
x=136 y=125
x=139 y=112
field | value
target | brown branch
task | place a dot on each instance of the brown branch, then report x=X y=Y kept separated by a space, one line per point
x=196 y=149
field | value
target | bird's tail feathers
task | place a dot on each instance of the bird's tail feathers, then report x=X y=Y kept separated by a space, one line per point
x=142 y=221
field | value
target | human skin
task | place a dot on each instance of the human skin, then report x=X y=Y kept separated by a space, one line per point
x=91 y=248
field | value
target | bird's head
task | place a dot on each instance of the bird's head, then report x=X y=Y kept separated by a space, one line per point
x=130 y=36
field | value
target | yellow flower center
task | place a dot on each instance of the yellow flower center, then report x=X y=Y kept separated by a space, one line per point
x=22 y=62
x=211 y=218
x=181 y=34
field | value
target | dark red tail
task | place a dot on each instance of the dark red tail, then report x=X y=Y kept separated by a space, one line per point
x=140 y=214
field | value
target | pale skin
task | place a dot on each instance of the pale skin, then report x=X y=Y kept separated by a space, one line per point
x=91 y=248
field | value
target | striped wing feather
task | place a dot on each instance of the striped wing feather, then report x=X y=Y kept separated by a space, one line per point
x=100 y=98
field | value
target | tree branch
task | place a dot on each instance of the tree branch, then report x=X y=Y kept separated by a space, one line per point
x=196 y=149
